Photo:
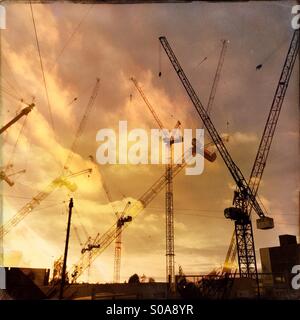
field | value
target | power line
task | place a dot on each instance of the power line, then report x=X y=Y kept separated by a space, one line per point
x=42 y=67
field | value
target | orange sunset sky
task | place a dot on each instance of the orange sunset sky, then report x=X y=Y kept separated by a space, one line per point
x=80 y=42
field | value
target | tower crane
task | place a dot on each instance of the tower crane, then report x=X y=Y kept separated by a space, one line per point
x=82 y=123
x=208 y=155
x=129 y=214
x=118 y=241
x=3 y=172
x=169 y=211
x=132 y=211
x=169 y=208
x=243 y=225
x=22 y=113
x=170 y=265
x=263 y=151
x=61 y=181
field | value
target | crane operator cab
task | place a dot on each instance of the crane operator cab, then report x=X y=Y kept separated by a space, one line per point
x=238 y=215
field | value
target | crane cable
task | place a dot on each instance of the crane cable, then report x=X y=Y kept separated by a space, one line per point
x=80 y=222
x=42 y=66
x=77 y=235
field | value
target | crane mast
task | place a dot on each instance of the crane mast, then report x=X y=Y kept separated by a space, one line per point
x=169 y=210
x=265 y=144
x=118 y=240
x=169 y=207
x=243 y=225
x=118 y=243
x=169 y=204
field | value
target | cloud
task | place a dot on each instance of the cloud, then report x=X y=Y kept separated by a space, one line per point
x=13 y=258
x=243 y=138
x=114 y=43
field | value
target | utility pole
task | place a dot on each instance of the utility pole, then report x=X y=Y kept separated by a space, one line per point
x=63 y=275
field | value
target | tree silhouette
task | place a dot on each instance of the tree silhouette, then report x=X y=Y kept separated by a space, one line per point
x=134 y=279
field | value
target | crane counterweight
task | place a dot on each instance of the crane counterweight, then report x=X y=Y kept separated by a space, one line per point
x=265 y=223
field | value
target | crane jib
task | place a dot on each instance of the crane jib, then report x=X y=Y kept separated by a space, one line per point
x=265 y=143
x=234 y=170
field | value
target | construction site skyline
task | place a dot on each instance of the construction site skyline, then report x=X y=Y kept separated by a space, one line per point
x=81 y=43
